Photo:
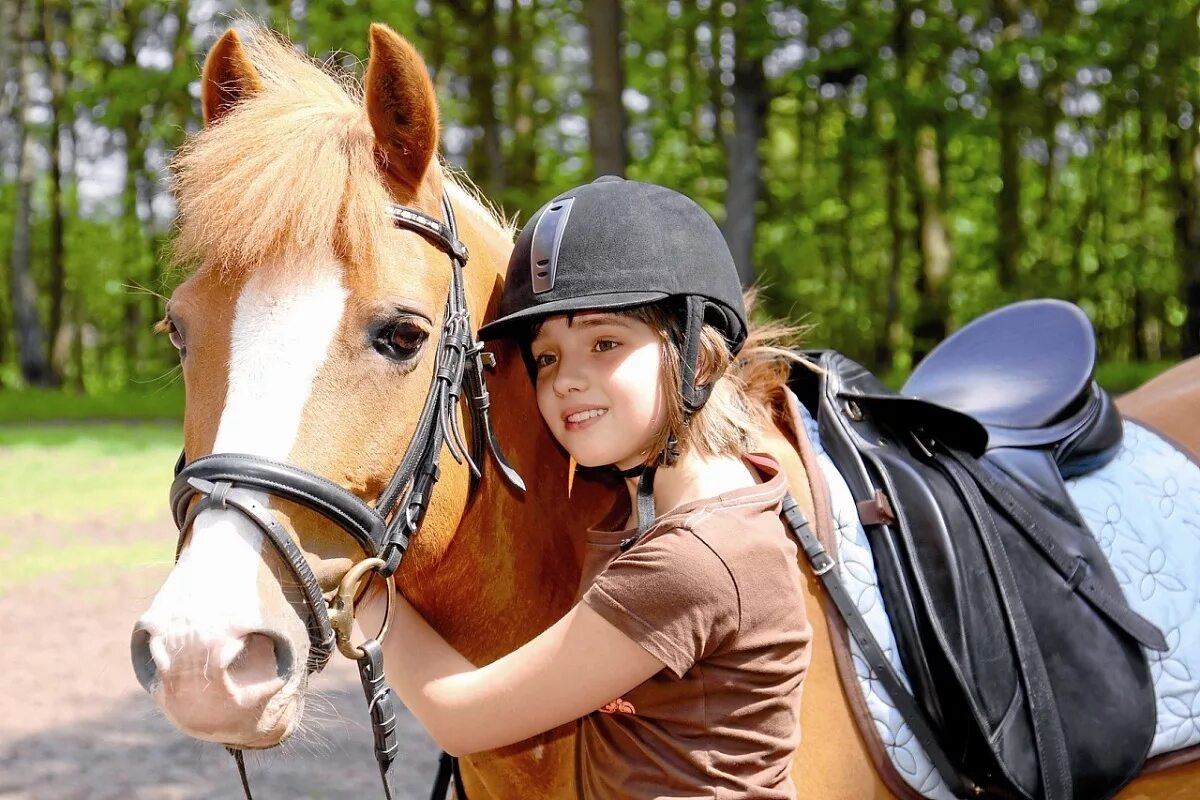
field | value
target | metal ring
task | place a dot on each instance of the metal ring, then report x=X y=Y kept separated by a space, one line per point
x=341 y=609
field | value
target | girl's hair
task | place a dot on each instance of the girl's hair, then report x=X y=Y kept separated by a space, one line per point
x=742 y=400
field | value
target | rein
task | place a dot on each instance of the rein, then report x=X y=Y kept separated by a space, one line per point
x=236 y=481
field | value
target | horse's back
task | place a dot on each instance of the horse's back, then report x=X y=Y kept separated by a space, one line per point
x=1170 y=404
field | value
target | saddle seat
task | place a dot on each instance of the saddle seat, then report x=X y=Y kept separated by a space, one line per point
x=1024 y=372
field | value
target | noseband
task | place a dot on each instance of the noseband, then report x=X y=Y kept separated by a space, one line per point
x=235 y=481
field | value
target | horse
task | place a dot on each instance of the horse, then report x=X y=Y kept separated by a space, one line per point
x=307 y=328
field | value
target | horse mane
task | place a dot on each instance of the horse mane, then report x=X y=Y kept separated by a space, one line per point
x=288 y=172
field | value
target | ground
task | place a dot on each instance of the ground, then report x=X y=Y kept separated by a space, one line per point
x=74 y=723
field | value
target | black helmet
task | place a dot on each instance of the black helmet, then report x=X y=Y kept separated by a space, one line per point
x=614 y=244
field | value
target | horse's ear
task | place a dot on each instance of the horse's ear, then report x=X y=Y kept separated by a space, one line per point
x=402 y=106
x=228 y=77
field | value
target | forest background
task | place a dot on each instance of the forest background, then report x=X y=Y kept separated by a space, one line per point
x=885 y=169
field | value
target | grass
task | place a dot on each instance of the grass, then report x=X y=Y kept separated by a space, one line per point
x=136 y=403
x=70 y=492
x=82 y=562
x=69 y=472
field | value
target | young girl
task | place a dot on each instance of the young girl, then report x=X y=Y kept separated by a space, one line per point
x=685 y=656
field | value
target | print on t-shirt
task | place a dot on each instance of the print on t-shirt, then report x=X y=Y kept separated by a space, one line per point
x=618 y=706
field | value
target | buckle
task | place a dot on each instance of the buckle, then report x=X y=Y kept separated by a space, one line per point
x=828 y=565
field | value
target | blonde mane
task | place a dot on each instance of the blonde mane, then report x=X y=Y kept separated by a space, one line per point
x=289 y=172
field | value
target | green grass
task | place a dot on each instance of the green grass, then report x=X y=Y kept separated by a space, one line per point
x=69 y=472
x=71 y=492
x=80 y=561
x=138 y=402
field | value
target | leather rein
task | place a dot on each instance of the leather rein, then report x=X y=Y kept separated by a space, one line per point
x=238 y=481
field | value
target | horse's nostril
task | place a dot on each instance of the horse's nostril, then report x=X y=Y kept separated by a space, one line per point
x=263 y=657
x=143 y=660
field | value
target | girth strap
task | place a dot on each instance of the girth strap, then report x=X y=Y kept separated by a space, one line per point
x=448 y=777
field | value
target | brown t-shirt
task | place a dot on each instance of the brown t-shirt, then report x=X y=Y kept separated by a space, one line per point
x=714 y=591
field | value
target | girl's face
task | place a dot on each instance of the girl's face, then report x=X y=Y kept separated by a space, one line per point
x=599 y=386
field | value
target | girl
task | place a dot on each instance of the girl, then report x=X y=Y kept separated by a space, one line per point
x=684 y=658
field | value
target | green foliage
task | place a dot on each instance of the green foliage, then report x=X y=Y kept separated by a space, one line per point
x=1095 y=94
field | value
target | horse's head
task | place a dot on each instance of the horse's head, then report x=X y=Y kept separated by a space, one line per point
x=308 y=331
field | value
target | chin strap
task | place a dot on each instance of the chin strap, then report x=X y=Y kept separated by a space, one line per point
x=645 y=506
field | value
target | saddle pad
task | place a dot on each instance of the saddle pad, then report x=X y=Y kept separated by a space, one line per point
x=1143 y=508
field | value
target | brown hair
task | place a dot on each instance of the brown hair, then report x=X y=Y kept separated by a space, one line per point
x=742 y=400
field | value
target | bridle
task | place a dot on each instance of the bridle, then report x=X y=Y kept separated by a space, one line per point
x=236 y=480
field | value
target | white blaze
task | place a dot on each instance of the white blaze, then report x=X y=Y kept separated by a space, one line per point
x=281 y=336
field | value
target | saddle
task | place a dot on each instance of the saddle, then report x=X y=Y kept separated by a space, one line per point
x=1024 y=661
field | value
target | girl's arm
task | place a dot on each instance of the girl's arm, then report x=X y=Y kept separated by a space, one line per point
x=571 y=669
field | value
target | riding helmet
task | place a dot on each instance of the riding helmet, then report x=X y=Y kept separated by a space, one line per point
x=614 y=244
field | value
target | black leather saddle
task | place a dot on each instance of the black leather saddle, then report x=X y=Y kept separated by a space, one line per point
x=1024 y=660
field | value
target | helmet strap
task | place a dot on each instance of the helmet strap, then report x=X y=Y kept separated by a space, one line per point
x=694 y=397
x=645 y=507
x=632 y=472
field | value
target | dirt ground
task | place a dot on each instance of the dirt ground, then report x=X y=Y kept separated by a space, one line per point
x=74 y=723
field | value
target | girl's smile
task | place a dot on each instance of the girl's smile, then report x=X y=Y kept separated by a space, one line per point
x=598 y=385
x=581 y=418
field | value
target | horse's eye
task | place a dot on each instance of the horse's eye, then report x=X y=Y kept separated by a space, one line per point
x=173 y=334
x=401 y=340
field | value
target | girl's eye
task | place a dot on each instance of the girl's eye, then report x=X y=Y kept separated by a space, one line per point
x=605 y=344
x=544 y=360
x=401 y=340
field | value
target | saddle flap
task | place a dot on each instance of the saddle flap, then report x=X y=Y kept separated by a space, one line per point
x=899 y=415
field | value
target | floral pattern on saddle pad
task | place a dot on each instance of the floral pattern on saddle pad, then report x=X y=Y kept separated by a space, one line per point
x=1144 y=509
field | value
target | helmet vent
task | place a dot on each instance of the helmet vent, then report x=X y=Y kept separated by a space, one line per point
x=547 y=239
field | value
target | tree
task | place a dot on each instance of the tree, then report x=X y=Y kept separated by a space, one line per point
x=606 y=123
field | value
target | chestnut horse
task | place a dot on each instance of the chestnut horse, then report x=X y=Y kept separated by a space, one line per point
x=306 y=331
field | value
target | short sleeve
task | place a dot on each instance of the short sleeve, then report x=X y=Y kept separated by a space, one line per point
x=673 y=595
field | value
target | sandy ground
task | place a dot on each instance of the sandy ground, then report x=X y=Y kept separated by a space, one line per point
x=74 y=723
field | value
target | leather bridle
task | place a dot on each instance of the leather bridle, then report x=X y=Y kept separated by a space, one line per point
x=236 y=481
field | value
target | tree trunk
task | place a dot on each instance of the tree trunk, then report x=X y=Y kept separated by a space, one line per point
x=885 y=341
x=744 y=164
x=607 y=123
x=10 y=50
x=485 y=162
x=30 y=335
x=1184 y=152
x=1008 y=199
x=521 y=35
x=134 y=237
x=51 y=22
x=933 y=279
x=846 y=180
